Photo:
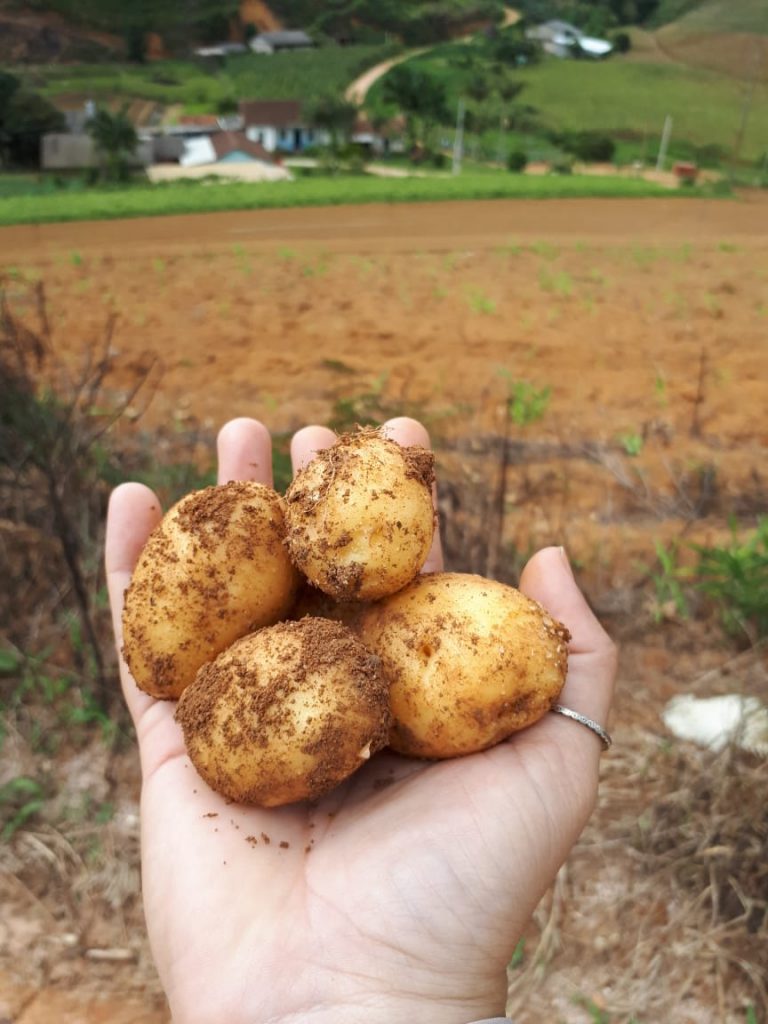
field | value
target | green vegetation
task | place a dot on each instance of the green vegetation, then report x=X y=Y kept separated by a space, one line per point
x=627 y=100
x=115 y=140
x=594 y=16
x=734 y=576
x=197 y=197
x=671 y=10
x=415 y=21
x=24 y=117
x=526 y=403
x=204 y=87
x=717 y=15
x=179 y=24
x=21 y=798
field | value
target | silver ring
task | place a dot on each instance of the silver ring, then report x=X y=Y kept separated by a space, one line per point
x=598 y=730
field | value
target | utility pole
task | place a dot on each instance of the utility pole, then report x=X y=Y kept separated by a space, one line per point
x=665 y=136
x=746 y=110
x=458 y=139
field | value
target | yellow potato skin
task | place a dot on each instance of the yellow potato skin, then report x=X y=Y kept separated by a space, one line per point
x=469 y=661
x=285 y=714
x=213 y=570
x=360 y=516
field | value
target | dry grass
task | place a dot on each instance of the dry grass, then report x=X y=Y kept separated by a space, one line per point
x=662 y=911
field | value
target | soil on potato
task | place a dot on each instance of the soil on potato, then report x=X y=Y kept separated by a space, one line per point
x=631 y=340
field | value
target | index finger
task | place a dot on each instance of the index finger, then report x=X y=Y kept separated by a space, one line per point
x=134 y=512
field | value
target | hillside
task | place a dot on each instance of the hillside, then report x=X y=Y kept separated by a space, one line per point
x=41 y=31
x=714 y=15
x=729 y=36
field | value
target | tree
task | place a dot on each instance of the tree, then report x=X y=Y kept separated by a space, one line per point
x=421 y=98
x=115 y=140
x=336 y=117
x=24 y=118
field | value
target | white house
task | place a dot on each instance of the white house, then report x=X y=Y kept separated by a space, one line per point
x=228 y=155
x=274 y=42
x=562 y=39
x=278 y=125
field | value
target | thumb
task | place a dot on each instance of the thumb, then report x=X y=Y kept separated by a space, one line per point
x=548 y=579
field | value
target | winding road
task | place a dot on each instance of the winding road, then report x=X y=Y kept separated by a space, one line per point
x=358 y=90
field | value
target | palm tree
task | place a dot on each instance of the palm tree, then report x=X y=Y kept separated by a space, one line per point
x=115 y=140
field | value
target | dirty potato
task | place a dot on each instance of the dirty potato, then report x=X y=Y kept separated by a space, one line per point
x=469 y=661
x=360 y=516
x=213 y=570
x=286 y=713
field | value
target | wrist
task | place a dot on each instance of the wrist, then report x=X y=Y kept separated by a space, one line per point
x=394 y=1010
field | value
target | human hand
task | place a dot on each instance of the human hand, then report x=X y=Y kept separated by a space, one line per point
x=401 y=895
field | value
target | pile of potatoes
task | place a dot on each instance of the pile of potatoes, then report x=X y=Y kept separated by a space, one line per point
x=300 y=638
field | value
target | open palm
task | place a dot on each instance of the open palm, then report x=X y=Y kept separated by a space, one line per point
x=401 y=895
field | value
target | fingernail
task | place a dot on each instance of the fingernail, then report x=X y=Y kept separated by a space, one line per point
x=566 y=561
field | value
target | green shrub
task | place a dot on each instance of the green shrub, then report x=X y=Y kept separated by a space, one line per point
x=517 y=161
x=622 y=42
x=591 y=146
x=736 y=578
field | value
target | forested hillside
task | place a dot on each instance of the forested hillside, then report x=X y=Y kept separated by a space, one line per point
x=413 y=21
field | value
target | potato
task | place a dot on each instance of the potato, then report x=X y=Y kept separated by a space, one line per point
x=286 y=713
x=469 y=660
x=360 y=516
x=213 y=570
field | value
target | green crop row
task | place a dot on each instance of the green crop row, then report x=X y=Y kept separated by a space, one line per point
x=182 y=198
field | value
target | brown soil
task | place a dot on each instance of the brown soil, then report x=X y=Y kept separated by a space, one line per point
x=647 y=320
x=39 y=37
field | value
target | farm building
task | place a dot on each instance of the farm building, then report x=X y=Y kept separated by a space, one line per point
x=275 y=42
x=222 y=154
x=561 y=39
x=223 y=147
x=278 y=125
x=76 y=151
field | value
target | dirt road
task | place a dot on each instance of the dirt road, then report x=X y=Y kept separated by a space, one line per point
x=358 y=90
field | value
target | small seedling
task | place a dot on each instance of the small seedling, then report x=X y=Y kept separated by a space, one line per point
x=509 y=249
x=561 y=282
x=479 y=302
x=526 y=403
x=20 y=799
x=597 y=1015
x=728 y=247
x=632 y=444
x=545 y=249
x=660 y=388
x=667 y=580
x=75 y=259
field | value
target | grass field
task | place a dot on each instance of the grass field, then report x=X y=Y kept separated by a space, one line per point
x=158 y=200
x=714 y=15
x=200 y=86
x=726 y=16
x=627 y=98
